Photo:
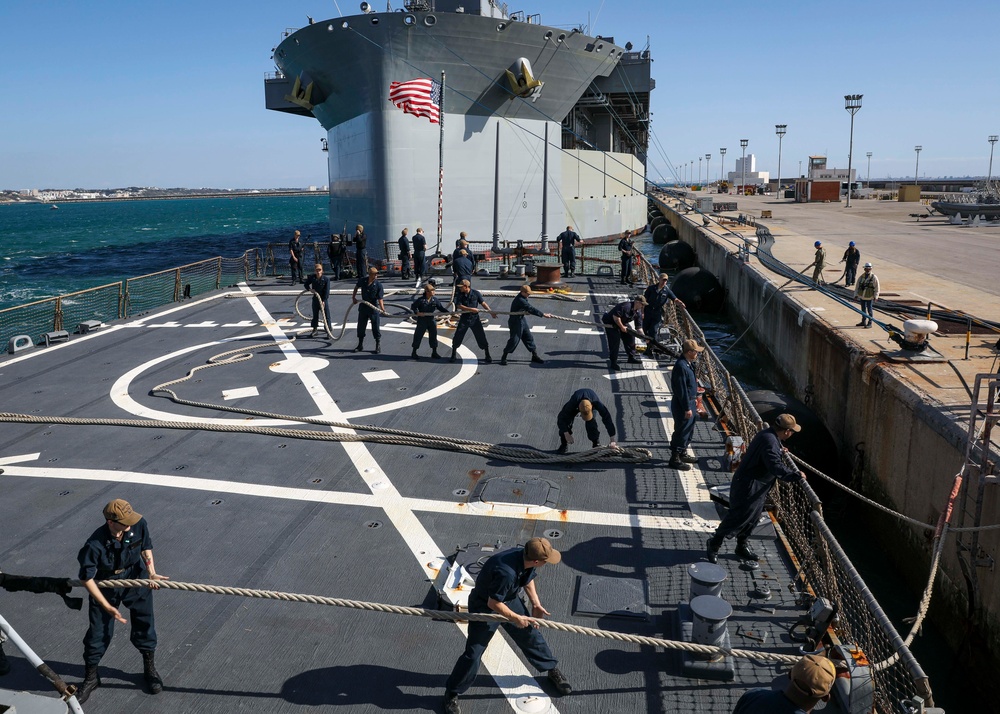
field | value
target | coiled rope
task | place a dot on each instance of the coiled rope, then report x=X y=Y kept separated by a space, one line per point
x=445 y=615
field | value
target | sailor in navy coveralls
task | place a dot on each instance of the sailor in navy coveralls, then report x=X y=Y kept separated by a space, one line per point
x=519 y=328
x=583 y=402
x=424 y=308
x=683 y=404
x=372 y=293
x=419 y=251
x=468 y=301
x=121 y=549
x=498 y=588
x=657 y=296
x=617 y=320
x=760 y=468
x=627 y=248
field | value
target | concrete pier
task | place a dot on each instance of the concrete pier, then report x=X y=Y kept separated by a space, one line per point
x=904 y=424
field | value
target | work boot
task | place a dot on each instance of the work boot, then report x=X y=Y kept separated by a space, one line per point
x=712 y=551
x=361 y=345
x=488 y=359
x=454 y=357
x=615 y=367
x=688 y=458
x=860 y=324
x=503 y=358
x=745 y=552
x=435 y=355
x=451 y=704
x=633 y=360
x=91 y=681
x=414 y=355
x=536 y=359
x=676 y=463
x=559 y=680
x=4 y=664
x=562 y=449
x=378 y=347
x=150 y=673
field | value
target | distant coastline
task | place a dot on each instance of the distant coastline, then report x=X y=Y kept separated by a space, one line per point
x=52 y=197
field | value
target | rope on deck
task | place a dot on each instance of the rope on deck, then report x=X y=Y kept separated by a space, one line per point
x=446 y=615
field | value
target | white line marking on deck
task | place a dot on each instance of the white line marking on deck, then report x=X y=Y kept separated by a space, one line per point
x=19 y=459
x=241 y=323
x=240 y=393
x=206 y=323
x=380 y=376
x=165 y=324
x=585 y=313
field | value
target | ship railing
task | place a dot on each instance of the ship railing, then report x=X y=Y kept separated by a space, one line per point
x=823 y=568
x=126 y=298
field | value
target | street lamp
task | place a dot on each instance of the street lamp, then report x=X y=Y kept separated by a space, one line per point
x=779 y=129
x=722 y=167
x=869 y=181
x=699 y=170
x=993 y=140
x=852 y=103
x=916 y=171
x=708 y=173
x=743 y=164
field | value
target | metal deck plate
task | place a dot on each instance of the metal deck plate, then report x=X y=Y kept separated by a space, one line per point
x=508 y=490
x=600 y=596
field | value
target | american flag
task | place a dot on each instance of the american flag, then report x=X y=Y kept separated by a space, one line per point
x=420 y=97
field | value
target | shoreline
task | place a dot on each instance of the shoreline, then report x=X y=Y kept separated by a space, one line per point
x=227 y=194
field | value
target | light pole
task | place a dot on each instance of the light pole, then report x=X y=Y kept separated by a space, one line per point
x=852 y=103
x=708 y=173
x=722 y=166
x=993 y=140
x=743 y=164
x=699 y=171
x=916 y=171
x=869 y=181
x=779 y=129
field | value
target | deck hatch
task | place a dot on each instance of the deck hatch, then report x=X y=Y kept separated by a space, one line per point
x=508 y=491
x=600 y=596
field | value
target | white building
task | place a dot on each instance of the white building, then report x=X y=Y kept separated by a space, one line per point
x=752 y=176
x=819 y=170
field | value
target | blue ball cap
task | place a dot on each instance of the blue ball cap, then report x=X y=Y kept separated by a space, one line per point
x=851 y=244
x=817 y=244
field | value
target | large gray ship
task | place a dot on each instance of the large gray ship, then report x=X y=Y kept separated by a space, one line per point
x=542 y=127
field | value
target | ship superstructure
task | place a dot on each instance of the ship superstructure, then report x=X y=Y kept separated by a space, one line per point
x=509 y=82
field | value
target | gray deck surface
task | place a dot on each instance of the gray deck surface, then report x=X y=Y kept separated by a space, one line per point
x=309 y=530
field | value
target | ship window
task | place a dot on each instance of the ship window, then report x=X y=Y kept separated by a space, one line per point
x=430 y=20
x=409 y=20
x=374 y=20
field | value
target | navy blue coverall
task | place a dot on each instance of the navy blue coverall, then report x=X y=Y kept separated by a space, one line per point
x=518 y=325
x=103 y=557
x=419 y=251
x=470 y=321
x=684 y=391
x=566 y=241
x=626 y=312
x=570 y=410
x=760 y=468
x=404 y=257
x=502 y=578
x=371 y=293
x=295 y=257
x=652 y=314
x=361 y=254
x=321 y=285
x=335 y=251
x=426 y=323
x=626 y=246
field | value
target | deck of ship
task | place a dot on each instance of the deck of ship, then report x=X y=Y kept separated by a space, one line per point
x=361 y=521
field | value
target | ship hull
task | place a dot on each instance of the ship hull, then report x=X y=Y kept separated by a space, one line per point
x=383 y=164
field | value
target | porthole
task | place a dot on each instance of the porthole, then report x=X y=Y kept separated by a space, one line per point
x=345 y=25
x=374 y=21
x=562 y=36
x=409 y=20
x=600 y=47
x=430 y=20
x=329 y=28
x=548 y=35
x=501 y=27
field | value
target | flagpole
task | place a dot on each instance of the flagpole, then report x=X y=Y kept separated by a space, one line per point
x=437 y=251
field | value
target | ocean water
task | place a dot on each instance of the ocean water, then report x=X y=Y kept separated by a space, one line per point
x=45 y=252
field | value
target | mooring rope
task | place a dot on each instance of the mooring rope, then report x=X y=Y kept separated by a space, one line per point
x=445 y=615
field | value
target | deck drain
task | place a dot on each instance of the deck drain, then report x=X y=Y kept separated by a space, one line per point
x=401 y=389
x=586 y=379
x=316 y=480
x=55 y=459
x=215 y=502
x=282 y=446
x=529 y=396
x=157 y=437
x=451 y=409
x=180 y=468
x=460 y=492
x=553 y=534
x=419 y=456
x=515 y=435
x=373 y=524
x=65 y=493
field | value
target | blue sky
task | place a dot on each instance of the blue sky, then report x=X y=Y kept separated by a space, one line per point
x=109 y=93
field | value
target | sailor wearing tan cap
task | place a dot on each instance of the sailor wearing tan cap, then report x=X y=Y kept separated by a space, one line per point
x=760 y=468
x=497 y=590
x=809 y=683
x=121 y=549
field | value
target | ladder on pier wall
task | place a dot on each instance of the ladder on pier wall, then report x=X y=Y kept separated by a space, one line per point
x=980 y=472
